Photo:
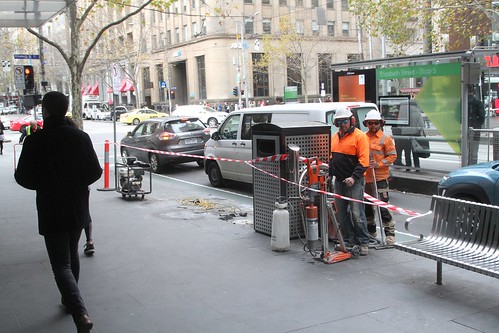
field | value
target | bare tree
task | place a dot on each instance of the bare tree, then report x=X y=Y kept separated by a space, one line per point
x=79 y=12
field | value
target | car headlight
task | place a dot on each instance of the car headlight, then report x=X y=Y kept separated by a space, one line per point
x=446 y=178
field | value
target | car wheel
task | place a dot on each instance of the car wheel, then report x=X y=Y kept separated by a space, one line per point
x=22 y=128
x=200 y=162
x=136 y=121
x=155 y=164
x=124 y=152
x=212 y=122
x=214 y=175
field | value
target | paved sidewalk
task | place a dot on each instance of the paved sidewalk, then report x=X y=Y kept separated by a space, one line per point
x=167 y=265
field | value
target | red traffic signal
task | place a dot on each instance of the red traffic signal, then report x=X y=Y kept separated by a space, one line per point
x=29 y=78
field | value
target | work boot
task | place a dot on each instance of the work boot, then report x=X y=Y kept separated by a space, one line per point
x=390 y=240
x=373 y=234
x=364 y=250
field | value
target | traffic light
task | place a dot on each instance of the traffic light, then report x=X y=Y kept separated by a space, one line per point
x=172 y=94
x=234 y=91
x=29 y=78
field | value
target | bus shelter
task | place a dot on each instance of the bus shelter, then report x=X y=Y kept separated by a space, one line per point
x=440 y=86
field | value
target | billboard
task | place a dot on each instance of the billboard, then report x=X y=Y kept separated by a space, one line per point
x=355 y=86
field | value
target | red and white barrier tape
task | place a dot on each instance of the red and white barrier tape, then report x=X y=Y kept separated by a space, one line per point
x=282 y=157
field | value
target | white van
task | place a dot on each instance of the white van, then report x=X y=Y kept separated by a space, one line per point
x=233 y=139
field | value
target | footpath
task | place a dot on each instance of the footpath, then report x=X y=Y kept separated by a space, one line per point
x=170 y=264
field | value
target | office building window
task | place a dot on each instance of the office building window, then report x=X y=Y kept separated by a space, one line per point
x=248 y=1
x=193 y=4
x=330 y=4
x=185 y=32
x=177 y=35
x=265 y=2
x=325 y=60
x=260 y=77
x=283 y=3
x=248 y=27
x=344 y=5
x=195 y=32
x=315 y=28
x=315 y=3
x=330 y=28
x=168 y=37
x=299 y=3
x=293 y=71
x=354 y=57
x=201 y=77
x=267 y=26
x=160 y=78
x=146 y=77
x=299 y=27
x=203 y=26
x=345 y=29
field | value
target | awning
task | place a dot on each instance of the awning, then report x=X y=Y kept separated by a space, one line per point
x=94 y=90
x=29 y=13
x=83 y=90
x=126 y=85
x=109 y=90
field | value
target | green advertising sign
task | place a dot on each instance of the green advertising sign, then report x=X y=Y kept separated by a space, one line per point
x=418 y=71
x=290 y=93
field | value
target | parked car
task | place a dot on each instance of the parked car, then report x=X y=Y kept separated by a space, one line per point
x=119 y=109
x=18 y=124
x=171 y=134
x=209 y=116
x=136 y=116
x=101 y=114
x=478 y=183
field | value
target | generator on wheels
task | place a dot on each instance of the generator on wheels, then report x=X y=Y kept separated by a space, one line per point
x=131 y=174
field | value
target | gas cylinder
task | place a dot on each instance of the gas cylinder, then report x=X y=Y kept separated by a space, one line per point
x=279 y=240
x=312 y=223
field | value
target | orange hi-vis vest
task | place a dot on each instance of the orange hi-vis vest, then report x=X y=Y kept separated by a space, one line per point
x=382 y=151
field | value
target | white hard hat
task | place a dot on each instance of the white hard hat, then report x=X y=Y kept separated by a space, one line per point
x=342 y=112
x=373 y=115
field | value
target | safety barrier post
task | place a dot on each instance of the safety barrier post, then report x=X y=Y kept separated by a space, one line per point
x=106 y=168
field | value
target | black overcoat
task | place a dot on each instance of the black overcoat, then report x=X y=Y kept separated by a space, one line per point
x=59 y=162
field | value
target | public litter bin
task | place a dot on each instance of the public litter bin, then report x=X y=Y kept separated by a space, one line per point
x=269 y=139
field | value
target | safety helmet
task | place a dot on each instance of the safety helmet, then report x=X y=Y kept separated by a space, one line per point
x=342 y=112
x=373 y=115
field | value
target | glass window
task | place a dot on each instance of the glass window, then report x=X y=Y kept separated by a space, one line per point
x=293 y=71
x=248 y=27
x=251 y=119
x=248 y=1
x=283 y=3
x=345 y=29
x=330 y=28
x=195 y=29
x=299 y=27
x=299 y=3
x=325 y=60
x=315 y=28
x=177 y=35
x=267 y=26
x=201 y=77
x=185 y=33
x=344 y=5
x=265 y=2
x=260 y=77
x=230 y=127
x=330 y=4
x=315 y=3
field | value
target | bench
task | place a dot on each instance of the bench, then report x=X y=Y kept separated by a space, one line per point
x=463 y=234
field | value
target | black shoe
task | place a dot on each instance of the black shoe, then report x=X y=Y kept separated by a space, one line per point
x=89 y=250
x=84 y=324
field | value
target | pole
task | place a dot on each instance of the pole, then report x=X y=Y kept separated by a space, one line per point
x=244 y=65
x=106 y=168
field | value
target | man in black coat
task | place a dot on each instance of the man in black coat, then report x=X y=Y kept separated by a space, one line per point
x=59 y=162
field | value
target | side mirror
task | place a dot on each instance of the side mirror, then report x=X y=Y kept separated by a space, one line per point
x=215 y=136
x=129 y=134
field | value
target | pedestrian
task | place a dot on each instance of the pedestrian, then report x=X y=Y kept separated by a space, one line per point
x=349 y=162
x=415 y=129
x=382 y=154
x=2 y=136
x=59 y=162
x=28 y=130
x=476 y=117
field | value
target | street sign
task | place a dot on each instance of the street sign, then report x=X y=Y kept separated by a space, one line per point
x=6 y=65
x=26 y=56
x=19 y=77
x=162 y=84
x=116 y=80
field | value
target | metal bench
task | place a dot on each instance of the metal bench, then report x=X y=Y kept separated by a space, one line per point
x=464 y=234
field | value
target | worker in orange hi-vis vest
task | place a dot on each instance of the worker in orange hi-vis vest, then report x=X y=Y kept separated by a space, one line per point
x=382 y=154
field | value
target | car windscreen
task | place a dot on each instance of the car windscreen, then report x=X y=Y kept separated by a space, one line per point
x=182 y=126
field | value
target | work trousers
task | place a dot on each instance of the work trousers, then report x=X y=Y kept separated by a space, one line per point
x=62 y=249
x=351 y=214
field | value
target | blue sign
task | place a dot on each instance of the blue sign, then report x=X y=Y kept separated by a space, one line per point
x=162 y=84
x=26 y=56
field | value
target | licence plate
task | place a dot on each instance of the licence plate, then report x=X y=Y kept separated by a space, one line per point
x=191 y=141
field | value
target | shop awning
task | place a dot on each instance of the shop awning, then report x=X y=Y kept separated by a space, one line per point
x=83 y=90
x=94 y=90
x=109 y=90
x=126 y=85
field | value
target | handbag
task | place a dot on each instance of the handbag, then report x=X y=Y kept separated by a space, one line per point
x=421 y=145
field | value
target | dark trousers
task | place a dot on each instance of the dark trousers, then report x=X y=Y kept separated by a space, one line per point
x=62 y=249
x=405 y=145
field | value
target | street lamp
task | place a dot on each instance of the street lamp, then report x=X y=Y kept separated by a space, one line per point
x=243 y=28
